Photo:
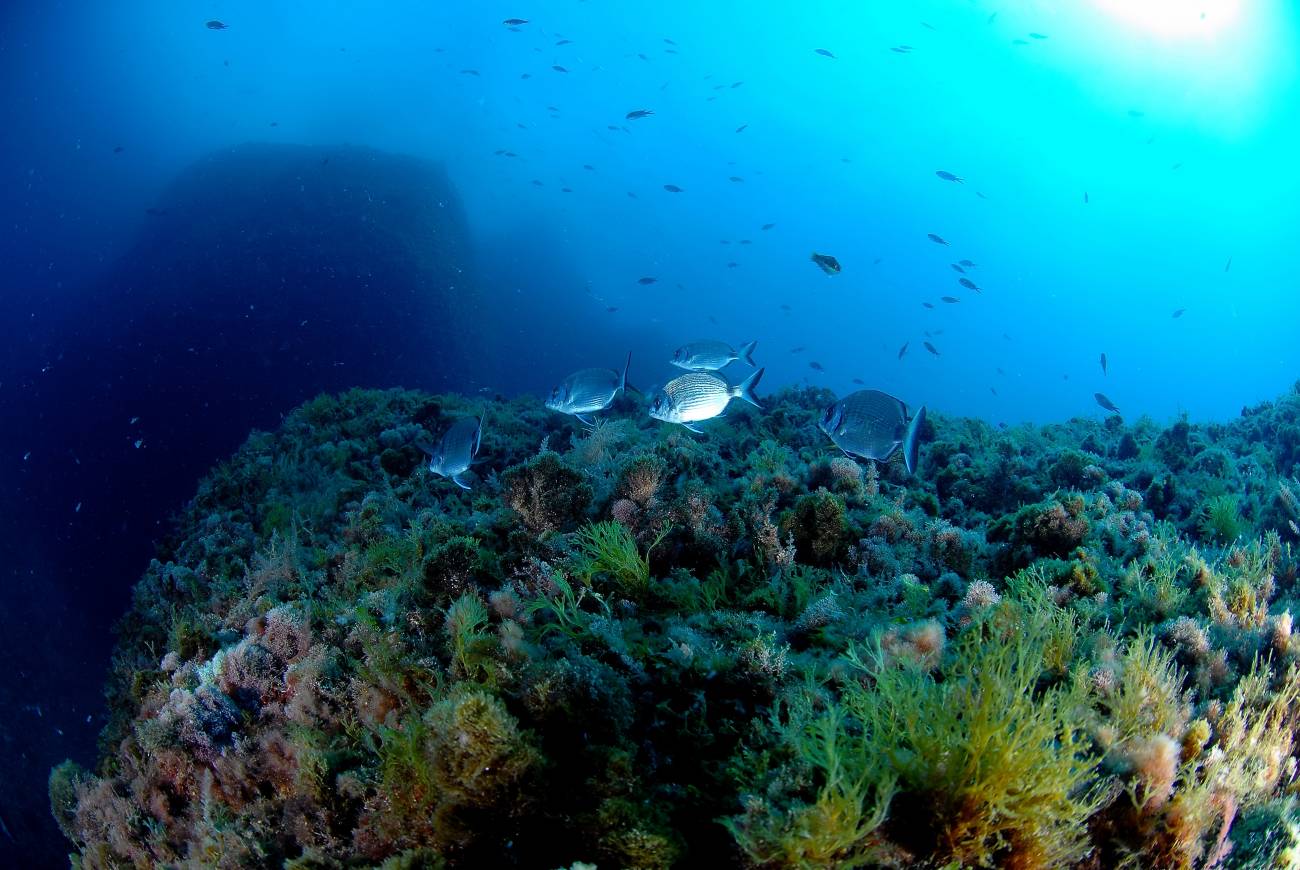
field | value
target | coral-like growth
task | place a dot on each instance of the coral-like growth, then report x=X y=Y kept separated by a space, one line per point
x=339 y=660
x=545 y=494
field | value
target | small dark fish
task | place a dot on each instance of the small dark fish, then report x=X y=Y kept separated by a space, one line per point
x=823 y=52
x=552 y=108
x=1103 y=365
x=275 y=123
x=119 y=149
x=514 y=22
x=898 y=49
x=826 y=263
x=566 y=190
x=1020 y=42
x=785 y=307
x=1085 y=197
x=859 y=382
x=469 y=72
x=1177 y=166
x=537 y=183
x=646 y=280
x=957 y=268
x=214 y=24
x=736 y=84
x=993 y=390
x=799 y=349
x=1135 y=113
x=969 y=284
x=525 y=75
x=931 y=348
x=967 y=263
x=876 y=262
x=638 y=113
x=1105 y=402
x=999 y=370
x=902 y=351
x=767 y=226
x=991 y=18
x=510 y=154
x=938 y=240
x=928 y=26
x=980 y=195
x=611 y=309
x=669 y=51
x=1179 y=313
x=155 y=212
x=559 y=68
x=1226 y=266
x=565 y=42
x=724 y=241
x=613 y=127
x=733 y=264
x=736 y=178
x=669 y=41
x=746 y=242
x=631 y=195
x=951 y=300
x=816 y=366
x=948 y=176
x=927 y=304
x=1037 y=36
x=672 y=188
x=642 y=55
x=741 y=128
x=588 y=167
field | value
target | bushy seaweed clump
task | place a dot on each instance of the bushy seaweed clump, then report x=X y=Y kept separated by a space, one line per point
x=1065 y=646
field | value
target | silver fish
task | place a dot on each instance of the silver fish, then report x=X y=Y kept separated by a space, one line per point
x=873 y=425
x=707 y=355
x=456 y=449
x=588 y=390
x=687 y=399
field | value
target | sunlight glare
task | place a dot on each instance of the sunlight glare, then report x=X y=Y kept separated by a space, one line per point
x=1176 y=19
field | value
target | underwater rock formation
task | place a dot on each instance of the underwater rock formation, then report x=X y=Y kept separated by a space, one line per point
x=636 y=647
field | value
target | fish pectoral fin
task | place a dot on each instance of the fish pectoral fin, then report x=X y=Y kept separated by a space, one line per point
x=585 y=420
x=455 y=478
x=693 y=428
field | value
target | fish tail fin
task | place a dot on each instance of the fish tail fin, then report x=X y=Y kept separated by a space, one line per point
x=745 y=390
x=747 y=351
x=622 y=381
x=912 y=440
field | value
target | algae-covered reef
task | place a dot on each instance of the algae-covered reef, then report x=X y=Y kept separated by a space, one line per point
x=1055 y=646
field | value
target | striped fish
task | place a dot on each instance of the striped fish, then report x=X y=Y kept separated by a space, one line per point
x=588 y=390
x=873 y=425
x=695 y=396
x=707 y=355
x=455 y=451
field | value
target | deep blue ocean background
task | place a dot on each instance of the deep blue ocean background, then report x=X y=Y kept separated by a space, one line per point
x=1121 y=161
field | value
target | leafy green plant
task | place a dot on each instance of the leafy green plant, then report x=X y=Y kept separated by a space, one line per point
x=997 y=766
x=471 y=643
x=607 y=549
x=1221 y=520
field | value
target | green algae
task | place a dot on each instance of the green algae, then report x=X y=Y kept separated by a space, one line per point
x=648 y=648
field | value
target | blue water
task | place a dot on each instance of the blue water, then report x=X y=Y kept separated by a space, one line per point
x=1136 y=161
